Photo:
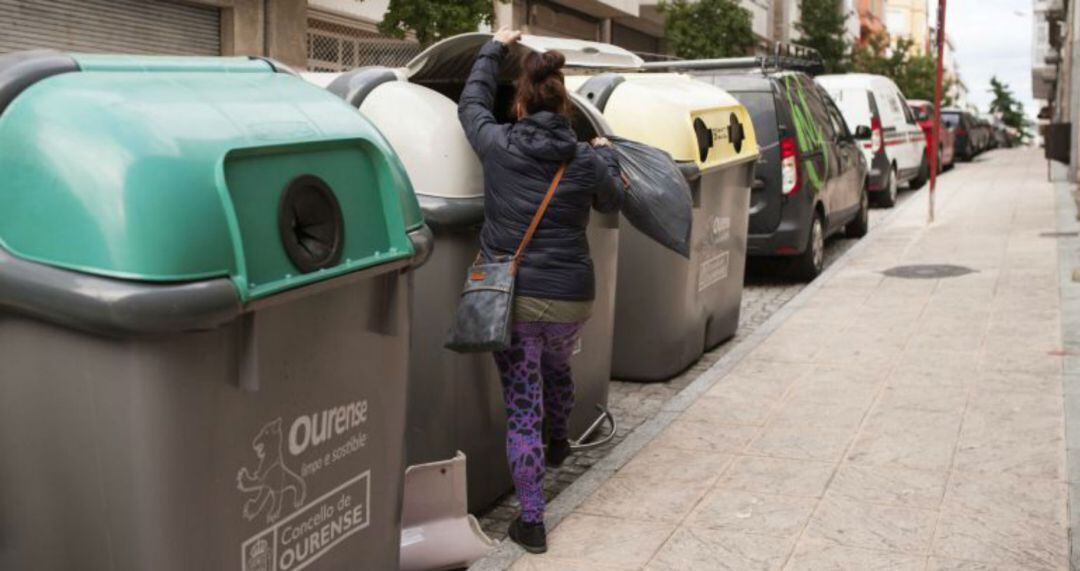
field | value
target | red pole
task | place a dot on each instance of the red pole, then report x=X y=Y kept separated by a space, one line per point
x=935 y=135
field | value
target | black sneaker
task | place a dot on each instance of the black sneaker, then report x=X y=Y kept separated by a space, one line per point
x=557 y=453
x=532 y=537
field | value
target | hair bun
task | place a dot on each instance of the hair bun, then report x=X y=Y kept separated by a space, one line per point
x=547 y=64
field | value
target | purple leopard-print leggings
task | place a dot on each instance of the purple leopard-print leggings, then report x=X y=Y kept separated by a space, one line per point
x=537 y=386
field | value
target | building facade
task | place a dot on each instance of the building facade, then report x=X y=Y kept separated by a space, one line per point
x=872 y=14
x=191 y=27
x=786 y=16
x=909 y=19
x=1055 y=70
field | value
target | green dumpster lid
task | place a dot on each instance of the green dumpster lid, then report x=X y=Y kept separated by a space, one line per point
x=174 y=169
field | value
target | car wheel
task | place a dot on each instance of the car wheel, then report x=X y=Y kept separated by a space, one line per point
x=809 y=264
x=858 y=227
x=924 y=175
x=888 y=198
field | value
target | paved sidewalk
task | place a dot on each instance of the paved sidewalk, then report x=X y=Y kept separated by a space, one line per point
x=875 y=422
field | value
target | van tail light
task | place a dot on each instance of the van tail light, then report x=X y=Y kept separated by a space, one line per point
x=789 y=166
x=960 y=131
x=877 y=135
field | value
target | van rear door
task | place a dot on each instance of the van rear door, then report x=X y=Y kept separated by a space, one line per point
x=765 y=197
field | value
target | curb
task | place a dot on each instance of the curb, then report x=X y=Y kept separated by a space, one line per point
x=507 y=553
x=1068 y=259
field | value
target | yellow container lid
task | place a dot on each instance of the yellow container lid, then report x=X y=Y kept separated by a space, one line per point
x=669 y=110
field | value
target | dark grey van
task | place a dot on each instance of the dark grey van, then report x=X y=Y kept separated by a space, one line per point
x=811 y=177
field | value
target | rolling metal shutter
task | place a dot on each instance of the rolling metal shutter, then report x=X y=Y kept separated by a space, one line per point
x=110 y=26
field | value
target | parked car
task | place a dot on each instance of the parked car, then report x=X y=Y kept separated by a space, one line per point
x=968 y=135
x=946 y=146
x=896 y=150
x=810 y=179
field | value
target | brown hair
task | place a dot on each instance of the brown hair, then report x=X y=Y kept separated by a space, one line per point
x=540 y=86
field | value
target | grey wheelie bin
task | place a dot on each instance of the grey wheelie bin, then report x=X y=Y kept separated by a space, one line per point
x=456 y=400
x=671 y=310
x=203 y=319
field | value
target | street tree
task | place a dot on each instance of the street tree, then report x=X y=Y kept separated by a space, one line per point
x=708 y=28
x=913 y=73
x=822 y=25
x=432 y=20
x=1006 y=106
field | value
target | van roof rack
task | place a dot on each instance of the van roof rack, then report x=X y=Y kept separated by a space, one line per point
x=785 y=56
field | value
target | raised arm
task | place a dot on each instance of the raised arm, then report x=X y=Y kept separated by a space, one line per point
x=478 y=98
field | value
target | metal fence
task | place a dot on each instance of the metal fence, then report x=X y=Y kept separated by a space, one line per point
x=334 y=47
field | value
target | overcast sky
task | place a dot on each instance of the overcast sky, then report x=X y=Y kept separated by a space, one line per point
x=992 y=37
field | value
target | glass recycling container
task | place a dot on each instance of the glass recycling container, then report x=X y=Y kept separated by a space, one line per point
x=204 y=319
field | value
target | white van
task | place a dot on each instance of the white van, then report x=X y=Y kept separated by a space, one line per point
x=896 y=149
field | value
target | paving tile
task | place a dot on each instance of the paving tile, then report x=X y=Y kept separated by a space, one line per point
x=777 y=476
x=749 y=512
x=608 y=541
x=1001 y=381
x=529 y=562
x=768 y=379
x=1036 y=361
x=800 y=441
x=939 y=564
x=818 y=555
x=676 y=466
x=833 y=384
x=643 y=499
x=1005 y=496
x=925 y=367
x=706 y=436
x=847 y=353
x=1023 y=544
x=871 y=526
x=944 y=399
x=698 y=548
x=904 y=413
x=890 y=485
x=732 y=408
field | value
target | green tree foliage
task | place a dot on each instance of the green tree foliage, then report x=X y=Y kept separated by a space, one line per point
x=433 y=20
x=822 y=25
x=1008 y=108
x=708 y=28
x=914 y=74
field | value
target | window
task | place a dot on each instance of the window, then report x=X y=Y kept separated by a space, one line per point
x=838 y=121
x=815 y=99
x=908 y=115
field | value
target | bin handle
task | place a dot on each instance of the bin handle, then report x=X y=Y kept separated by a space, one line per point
x=605 y=417
x=114 y=307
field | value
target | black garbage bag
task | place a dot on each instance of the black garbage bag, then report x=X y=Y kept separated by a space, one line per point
x=658 y=200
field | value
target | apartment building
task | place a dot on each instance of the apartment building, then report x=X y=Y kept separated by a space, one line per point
x=1055 y=71
x=190 y=27
x=909 y=19
x=872 y=15
x=786 y=16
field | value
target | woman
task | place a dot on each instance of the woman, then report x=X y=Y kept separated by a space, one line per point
x=555 y=285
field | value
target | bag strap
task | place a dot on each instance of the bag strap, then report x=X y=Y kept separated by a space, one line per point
x=537 y=218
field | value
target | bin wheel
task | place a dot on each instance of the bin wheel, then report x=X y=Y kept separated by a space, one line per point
x=584 y=443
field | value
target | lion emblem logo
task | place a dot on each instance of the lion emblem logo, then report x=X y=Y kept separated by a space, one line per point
x=272 y=480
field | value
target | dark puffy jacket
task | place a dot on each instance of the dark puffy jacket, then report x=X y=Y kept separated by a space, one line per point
x=520 y=161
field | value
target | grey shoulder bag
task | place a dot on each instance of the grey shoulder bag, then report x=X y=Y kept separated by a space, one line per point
x=485 y=310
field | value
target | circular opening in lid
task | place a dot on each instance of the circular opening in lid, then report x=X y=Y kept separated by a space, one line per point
x=311 y=224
